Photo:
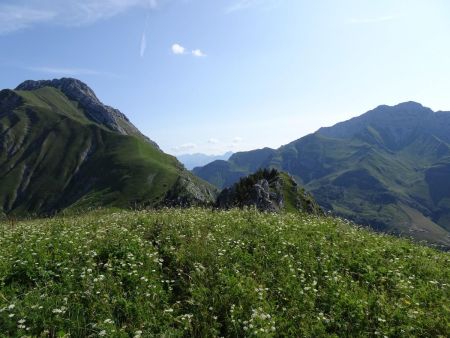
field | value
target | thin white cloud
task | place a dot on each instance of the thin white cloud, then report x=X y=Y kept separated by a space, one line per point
x=198 y=53
x=185 y=147
x=143 y=44
x=68 y=71
x=20 y=14
x=380 y=19
x=240 y=5
x=13 y=17
x=177 y=49
x=235 y=142
x=213 y=141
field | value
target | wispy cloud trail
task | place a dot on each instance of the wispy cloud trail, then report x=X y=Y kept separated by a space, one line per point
x=14 y=17
x=374 y=20
x=144 y=39
x=19 y=14
x=246 y=4
x=185 y=147
x=68 y=71
x=143 y=44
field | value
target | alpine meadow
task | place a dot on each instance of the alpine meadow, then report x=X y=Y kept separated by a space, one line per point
x=274 y=174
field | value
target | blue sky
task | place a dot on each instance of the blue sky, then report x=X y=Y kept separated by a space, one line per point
x=217 y=75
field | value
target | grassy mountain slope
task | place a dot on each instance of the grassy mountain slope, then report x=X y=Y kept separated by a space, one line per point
x=368 y=169
x=53 y=156
x=200 y=273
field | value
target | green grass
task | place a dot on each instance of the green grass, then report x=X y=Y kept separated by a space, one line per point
x=51 y=99
x=196 y=272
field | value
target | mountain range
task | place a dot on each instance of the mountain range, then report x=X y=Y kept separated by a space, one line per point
x=61 y=148
x=388 y=168
x=192 y=161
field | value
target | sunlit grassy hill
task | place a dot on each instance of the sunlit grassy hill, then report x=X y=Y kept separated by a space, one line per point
x=206 y=273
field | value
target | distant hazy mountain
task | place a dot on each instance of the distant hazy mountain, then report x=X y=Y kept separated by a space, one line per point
x=60 y=147
x=191 y=161
x=388 y=168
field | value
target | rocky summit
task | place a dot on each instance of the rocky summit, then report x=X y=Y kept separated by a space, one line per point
x=86 y=99
x=270 y=191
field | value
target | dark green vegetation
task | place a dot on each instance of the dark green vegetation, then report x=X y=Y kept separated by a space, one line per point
x=193 y=272
x=60 y=147
x=389 y=168
x=268 y=190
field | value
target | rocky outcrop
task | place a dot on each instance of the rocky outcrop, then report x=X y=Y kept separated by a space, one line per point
x=259 y=195
x=94 y=109
x=267 y=190
x=186 y=192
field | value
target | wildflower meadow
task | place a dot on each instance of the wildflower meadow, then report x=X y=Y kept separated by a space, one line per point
x=204 y=273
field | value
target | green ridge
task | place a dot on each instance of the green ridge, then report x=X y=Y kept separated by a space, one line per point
x=53 y=157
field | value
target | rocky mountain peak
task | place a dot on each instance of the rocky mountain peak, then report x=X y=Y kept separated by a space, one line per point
x=397 y=125
x=94 y=109
x=69 y=86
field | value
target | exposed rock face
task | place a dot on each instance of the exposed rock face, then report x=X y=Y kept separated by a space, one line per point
x=186 y=192
x=269 y=191
x=259 y=195
x=94 y=109
x=264 y=199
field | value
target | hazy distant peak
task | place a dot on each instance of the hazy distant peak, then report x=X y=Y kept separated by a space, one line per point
x=400 y=122
x=191 y=161
x=409 y=106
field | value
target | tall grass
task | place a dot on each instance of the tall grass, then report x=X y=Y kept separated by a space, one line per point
x=203 y=273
